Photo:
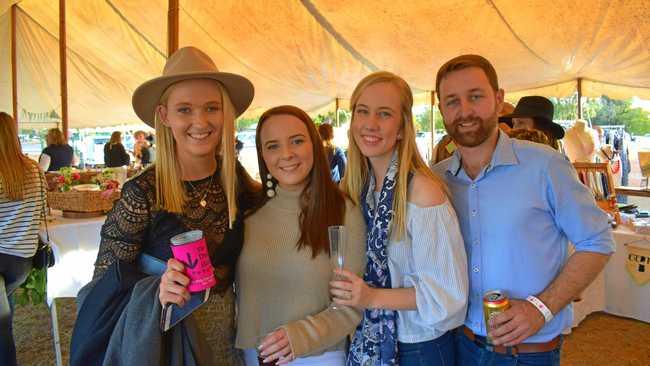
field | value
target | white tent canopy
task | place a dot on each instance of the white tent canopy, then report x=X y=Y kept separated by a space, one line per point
x=311 y=52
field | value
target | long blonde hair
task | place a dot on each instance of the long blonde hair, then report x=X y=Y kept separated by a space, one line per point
x=409 y=159
x=170 y=192
x=14 y=166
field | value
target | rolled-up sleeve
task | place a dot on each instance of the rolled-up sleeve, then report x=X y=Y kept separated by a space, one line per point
x=575 y=209
x=439 y=268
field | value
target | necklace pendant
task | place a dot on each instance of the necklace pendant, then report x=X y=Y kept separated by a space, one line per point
x=203 y=202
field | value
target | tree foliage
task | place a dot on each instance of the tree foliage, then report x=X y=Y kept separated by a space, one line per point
x=604 y=111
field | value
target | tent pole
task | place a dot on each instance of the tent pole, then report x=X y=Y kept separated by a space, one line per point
x=63 y=69
x=579 y=88
x=433 y=122
x=336 y=107
x=172 y=27
x=14 y=78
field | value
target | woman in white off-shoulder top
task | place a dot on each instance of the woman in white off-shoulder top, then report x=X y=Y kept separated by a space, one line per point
x=414 y=291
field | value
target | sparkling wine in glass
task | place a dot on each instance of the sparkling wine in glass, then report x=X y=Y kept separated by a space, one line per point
x=336 y=236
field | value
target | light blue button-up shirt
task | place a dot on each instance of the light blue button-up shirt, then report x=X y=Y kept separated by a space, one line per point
x=516 y=218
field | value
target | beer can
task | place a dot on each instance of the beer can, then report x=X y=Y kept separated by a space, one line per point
x=494 y=302
x=191 y=249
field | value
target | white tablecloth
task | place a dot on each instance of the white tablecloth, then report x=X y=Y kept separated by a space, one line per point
x=614 y=291
x=75 y=243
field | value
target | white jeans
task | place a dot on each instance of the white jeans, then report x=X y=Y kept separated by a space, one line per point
x=334 y=358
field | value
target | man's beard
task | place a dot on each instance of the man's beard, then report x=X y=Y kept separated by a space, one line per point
x=472 y=138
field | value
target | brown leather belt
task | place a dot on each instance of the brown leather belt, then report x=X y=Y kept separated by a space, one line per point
x=551 y=345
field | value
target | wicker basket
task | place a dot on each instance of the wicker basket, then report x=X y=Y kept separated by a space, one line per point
x=85 y=201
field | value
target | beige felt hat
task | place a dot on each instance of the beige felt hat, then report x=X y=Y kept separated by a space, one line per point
x=190 y=63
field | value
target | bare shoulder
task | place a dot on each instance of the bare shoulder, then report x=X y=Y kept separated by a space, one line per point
x=425 y=191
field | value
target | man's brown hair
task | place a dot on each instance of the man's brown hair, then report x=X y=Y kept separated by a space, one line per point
x=464 y=62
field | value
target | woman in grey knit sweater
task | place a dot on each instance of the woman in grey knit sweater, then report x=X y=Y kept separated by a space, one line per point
x=284 y=269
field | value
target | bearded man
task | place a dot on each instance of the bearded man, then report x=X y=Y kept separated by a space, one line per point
x=518 y=204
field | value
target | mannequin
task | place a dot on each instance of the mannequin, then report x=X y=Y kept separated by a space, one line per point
x=580 y=142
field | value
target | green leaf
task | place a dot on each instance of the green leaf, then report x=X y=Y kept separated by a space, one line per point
x=33 y=290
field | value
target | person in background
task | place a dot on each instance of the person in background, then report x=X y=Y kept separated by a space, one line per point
x=536 y=113
x=141 y=149
x=284 y=269
x=505 y=124
x=443 y=149
x=152 y=146
x=58 y=154
x=529 y=135
x=114 y=153
x=22 y=201
x=414 y=291
x=335 y=155
x=519 y=204
x=239 y=145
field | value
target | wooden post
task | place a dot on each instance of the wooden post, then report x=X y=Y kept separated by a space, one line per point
x=14 y=67
x=433 y=122
x=172 y=27
x=336 y=109
x=63 y=70
x=579 y=87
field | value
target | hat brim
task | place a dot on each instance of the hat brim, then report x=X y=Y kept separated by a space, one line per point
x=147 y=96
x=556 y=130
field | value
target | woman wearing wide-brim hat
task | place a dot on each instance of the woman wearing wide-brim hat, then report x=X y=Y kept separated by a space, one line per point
x=535 y=113
x=195 y=183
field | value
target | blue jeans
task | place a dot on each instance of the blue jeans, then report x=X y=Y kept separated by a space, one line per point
x=469 y=353
x=13 y=272
x=436 y=352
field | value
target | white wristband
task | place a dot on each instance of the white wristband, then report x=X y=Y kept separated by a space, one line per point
x=539 y=305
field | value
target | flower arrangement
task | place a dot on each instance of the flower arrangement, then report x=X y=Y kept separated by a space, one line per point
x=67 y=179
x=105 y=180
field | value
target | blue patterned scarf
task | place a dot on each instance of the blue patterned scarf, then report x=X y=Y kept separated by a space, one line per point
x=375 y=340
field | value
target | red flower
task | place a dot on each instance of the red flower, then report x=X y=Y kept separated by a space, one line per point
x=76 y=176
x=60 y=179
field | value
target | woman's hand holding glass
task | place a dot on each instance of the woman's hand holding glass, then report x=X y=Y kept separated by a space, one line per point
x=350 y=290
x=275 y=346
x=173 y=284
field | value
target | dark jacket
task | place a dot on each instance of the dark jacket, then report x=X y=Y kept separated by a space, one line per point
x=337 y=162
x=60 y=156
x=119 y=312
x=115 y=155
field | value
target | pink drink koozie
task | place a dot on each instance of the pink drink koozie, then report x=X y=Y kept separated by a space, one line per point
x=191 y=249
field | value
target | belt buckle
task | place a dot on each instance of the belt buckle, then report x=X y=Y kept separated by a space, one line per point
x=508 y=351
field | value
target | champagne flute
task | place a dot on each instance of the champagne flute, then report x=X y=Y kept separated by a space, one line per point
x=337 y=242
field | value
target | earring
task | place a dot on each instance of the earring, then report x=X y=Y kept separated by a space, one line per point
x=270 y=192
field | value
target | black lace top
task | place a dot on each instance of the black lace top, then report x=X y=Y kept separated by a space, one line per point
x=136 y=224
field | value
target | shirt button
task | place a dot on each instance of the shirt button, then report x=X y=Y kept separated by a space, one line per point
x=473 y=185
x=473 y=212
x=475 y=269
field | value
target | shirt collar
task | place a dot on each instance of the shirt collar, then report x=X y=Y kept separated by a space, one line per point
x=503 y=154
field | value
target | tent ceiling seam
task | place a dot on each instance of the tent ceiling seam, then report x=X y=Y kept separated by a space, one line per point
x=593 y=38
x=281 y=82
x=68 y=49
x=319 y=107
x=574 y=79
x=134 y=29
x=514 y=34
x=614 y=84
x=329 y=28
